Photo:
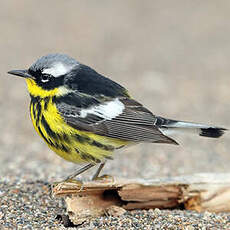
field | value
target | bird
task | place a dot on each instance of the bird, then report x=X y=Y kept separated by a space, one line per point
x=84 y=116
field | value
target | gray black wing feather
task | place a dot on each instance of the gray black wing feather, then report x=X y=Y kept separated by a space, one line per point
x=135 y=123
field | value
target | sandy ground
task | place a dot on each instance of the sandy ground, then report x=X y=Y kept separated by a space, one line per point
x=173 y=56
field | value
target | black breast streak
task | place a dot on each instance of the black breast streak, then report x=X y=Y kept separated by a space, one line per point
x=65 y=148
x=104 y=147
x=49 y=131
x=46 y=100
x=84 y=139
x=56 y=137
x=32 y=111
x=38 y=109
x=65 y=138
x=81 y=139
x=48 y=141
x=43 y=136
x=89 y=157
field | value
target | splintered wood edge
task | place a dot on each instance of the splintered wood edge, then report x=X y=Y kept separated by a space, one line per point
x=198 y=192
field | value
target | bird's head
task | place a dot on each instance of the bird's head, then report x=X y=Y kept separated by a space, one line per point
x=48 y=74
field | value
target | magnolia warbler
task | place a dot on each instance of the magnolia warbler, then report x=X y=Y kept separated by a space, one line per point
x=84 y=117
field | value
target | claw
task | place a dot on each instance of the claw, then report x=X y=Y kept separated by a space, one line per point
x=105 y=178
x=72 y=180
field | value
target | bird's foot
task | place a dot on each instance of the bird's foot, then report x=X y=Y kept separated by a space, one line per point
x=104 y=178
x=68 y=180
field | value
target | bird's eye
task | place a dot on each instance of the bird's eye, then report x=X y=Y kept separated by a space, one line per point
x=45 y=77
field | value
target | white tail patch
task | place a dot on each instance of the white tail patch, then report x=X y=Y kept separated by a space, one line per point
x=171 y=131
x=187 y=125
x=181 y=126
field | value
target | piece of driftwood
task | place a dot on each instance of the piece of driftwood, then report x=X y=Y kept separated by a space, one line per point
x=200 y=192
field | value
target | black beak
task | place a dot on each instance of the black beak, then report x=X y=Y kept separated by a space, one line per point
x=21 y=73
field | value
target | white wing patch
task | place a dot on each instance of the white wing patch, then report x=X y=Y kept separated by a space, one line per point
x=57 y=69
x=107 y=111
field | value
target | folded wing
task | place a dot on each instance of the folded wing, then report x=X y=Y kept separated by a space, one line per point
x=121 y=118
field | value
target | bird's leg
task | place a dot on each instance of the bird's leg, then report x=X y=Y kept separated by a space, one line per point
x=70 y=177
x=79 y=171
x=105 y=178
x=95 y=176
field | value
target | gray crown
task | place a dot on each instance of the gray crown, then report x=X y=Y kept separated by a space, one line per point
x=49 y=60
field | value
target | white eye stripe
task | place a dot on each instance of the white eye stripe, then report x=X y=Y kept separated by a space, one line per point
x=57 y=70
x=107 y=111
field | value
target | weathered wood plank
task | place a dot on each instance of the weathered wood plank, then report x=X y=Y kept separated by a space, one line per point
x=200 y=192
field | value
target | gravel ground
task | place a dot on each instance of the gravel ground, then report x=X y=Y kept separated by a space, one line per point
x=28 y=205
x=173 y=56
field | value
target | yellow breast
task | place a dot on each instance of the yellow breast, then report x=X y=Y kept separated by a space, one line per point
x=71 y=144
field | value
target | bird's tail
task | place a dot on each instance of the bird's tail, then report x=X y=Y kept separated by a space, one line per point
x=168 y=127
